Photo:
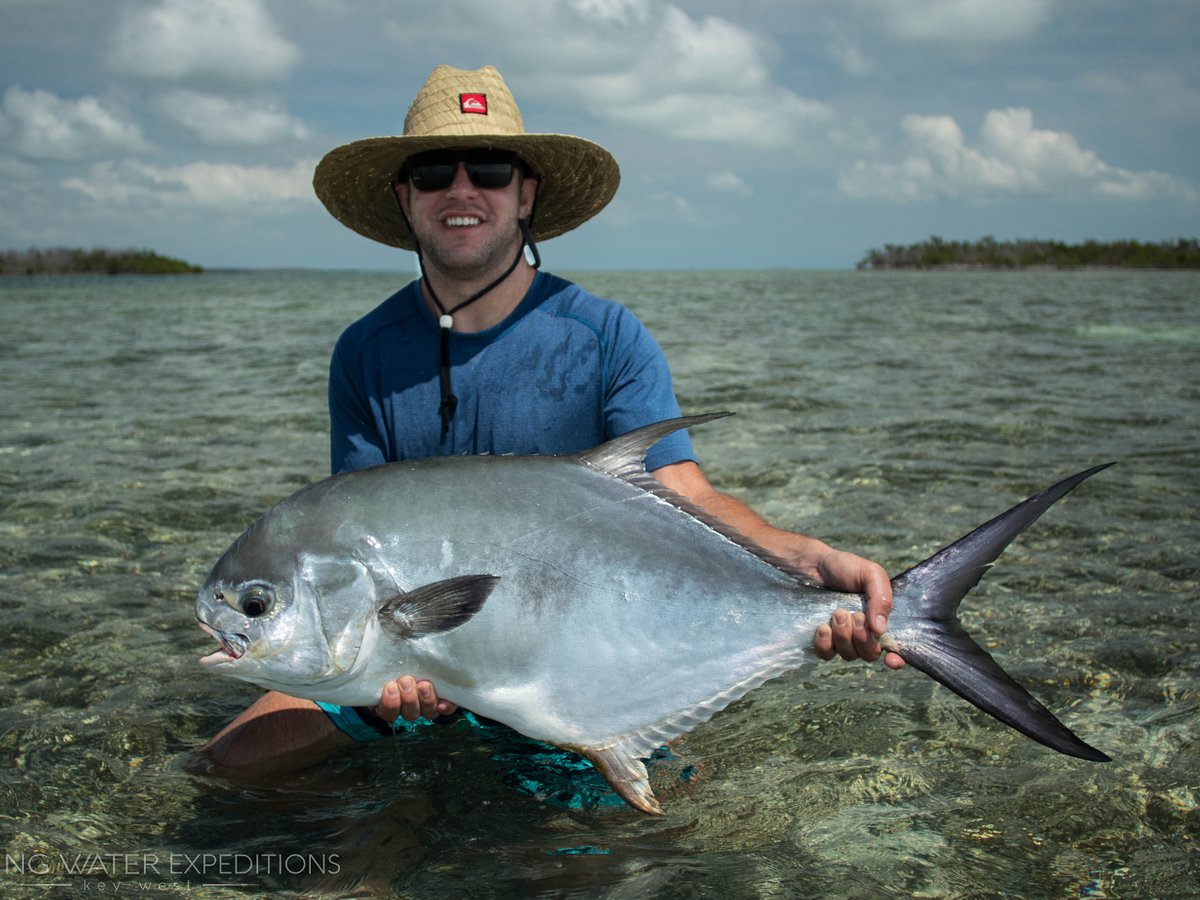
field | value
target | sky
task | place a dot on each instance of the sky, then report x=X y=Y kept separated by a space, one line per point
x=755 y=134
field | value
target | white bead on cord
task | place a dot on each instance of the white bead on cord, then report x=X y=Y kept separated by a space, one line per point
x=446 y=322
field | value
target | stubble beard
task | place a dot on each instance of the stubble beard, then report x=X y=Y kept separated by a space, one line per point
x=484 y=263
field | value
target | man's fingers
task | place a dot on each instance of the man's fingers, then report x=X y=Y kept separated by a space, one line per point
x=427 y=697
x=411 y=699
x=410 y=704
x=389 y=703
x=823 y=642
x=843 y=634
x=865 y=644
x=847 y=636
x=879 y=601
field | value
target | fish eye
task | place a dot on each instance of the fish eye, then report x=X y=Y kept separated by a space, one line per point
x=255 y=602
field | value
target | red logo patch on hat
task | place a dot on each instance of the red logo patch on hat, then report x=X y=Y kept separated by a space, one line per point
x=473 y=103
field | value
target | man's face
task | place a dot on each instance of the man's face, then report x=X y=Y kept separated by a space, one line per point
x=467 y=231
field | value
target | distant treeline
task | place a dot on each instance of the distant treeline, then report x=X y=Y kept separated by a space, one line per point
x=988 y=253
x=67 y=261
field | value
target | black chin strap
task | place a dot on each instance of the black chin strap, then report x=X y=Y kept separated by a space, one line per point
x=446 y=322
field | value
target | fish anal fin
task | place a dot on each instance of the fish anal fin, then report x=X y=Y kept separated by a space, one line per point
x=626 y=773
x=436 y=607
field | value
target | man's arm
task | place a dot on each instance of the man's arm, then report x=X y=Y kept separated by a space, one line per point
x=847 y=634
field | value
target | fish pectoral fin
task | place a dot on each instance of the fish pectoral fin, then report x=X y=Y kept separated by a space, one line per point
x=437 y=607
x=627 y=775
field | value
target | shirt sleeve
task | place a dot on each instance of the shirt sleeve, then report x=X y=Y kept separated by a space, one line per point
x=640 y=391
x=354 y=438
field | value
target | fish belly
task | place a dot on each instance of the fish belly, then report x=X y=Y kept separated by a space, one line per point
x=616 y=613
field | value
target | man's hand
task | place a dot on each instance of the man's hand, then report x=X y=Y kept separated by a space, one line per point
x=847 y=634
x=410 y=699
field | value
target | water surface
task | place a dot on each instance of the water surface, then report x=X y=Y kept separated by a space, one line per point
x=148 y=421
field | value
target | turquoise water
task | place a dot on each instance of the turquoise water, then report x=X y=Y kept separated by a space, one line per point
x=146 y=422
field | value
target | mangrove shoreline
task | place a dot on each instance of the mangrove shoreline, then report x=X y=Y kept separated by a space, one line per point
x=72 y=261
x=988 y=253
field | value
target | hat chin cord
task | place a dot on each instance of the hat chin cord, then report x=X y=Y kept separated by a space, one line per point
x=449 y=402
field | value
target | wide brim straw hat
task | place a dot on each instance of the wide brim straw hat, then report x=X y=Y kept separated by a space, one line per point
x=456 y=108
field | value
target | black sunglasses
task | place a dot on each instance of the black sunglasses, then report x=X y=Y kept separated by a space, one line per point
x=434 y=170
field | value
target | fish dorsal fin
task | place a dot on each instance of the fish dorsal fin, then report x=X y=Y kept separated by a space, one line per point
x=624 y=458
x=437 y=607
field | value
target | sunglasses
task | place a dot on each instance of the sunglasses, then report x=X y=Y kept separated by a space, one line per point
x=435 y=170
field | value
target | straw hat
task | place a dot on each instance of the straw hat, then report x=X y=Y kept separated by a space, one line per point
x=456 y=108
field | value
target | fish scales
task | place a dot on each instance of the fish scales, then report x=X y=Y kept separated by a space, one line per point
x=571 y=598
x=604 y=590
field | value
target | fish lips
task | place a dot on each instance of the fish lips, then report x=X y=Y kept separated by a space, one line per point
x=233 y=646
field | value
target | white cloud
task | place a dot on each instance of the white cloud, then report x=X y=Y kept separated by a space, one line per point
x=728 y=182
x=849 y=55
x=224 y=121
x=642 y=62
x=40 y=125
x=219 y=186
x=672 y=207
x=622 y=12
x=1012 y=157
x=702 y=80
x=961 y=21
x=202 y=42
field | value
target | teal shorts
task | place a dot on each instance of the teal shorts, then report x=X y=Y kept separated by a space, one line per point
x=360 y=723
x=552 y=775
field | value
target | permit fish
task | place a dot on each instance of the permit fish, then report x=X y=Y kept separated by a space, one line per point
x=573 y=598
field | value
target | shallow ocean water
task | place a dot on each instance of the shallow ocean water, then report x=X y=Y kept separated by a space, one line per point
x=148 y=421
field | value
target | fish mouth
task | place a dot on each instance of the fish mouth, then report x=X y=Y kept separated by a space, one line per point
x=233 y=646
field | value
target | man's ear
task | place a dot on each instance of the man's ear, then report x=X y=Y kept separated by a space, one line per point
x=400 y=188
x=529 y=189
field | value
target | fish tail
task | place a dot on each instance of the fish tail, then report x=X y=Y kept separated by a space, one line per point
x=924 y=628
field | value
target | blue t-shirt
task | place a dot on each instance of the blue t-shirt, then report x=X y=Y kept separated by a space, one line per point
x=564 y=372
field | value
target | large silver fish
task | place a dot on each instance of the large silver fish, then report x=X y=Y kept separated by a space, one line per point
x=572 y=598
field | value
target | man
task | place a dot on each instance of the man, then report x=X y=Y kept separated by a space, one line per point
x=486 y=354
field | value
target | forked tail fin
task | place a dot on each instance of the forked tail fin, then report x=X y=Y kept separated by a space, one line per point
x=925 y=631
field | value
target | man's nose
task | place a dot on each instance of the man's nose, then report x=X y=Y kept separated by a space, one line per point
x=461 y=180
